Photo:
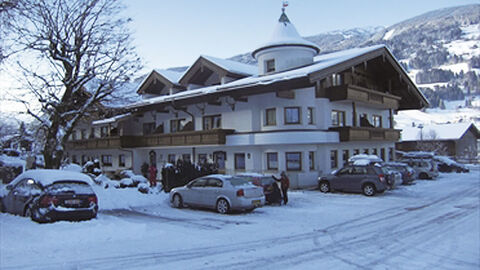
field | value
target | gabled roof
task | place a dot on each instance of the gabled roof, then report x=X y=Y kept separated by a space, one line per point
x=323 y=66
x=168 y=78
x=222 y=67
x=438 y=132
x=285 y=34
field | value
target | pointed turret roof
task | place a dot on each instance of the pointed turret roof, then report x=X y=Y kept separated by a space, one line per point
x=285 y=34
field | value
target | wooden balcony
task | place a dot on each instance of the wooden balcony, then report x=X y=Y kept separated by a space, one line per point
x=95 y=143
x=348 y=134
x=187 y=138
x=360 y=94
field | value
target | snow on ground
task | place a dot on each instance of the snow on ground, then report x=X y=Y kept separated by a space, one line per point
x=428 y=225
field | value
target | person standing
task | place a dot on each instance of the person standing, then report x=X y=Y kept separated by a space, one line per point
x=153 y=175
x=285 y=184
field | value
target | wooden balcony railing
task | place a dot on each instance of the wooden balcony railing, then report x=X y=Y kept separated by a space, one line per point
x=204 y=137
x=360 y=94
x=95 y=143
x=348 y=134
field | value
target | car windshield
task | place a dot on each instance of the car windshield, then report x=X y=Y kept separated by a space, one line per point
x=70 y=187
x=237 y=181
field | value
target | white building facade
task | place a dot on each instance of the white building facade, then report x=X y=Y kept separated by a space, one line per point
x=294 y=112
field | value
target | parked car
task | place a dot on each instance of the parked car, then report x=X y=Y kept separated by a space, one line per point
x=368 y=178
x=446 y=164
x=50 y=195
x=423 y=163
x=130 y=179
x=393 y=177
x=270 y=187
x=220 y=192
x=407 y=172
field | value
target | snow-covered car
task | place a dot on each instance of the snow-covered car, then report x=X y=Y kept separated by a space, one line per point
x=446 y=164
x=50 y=195
x=130 y=179
x=392 y=177
x=220 y=192
x=406 y=171
x=359 y=176
x=270 y=187
x=423 y=163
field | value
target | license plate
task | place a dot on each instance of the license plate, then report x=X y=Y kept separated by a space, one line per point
x=72 y=202
x=256 y=202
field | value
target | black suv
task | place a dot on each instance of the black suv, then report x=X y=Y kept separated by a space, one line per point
x=366 y=178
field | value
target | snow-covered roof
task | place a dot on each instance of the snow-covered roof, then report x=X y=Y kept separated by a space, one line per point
x=46 y=177
x=285 y=34
x=172 y=76
x=321 y=62
x=233 y=66
x=435 y=132
x=111 y=119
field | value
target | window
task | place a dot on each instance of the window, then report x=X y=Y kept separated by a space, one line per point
x=377 y=121
x=121 y=160
x=171 y=158
x=212 y=122
x=83 y=134
x=103 y=131
x=84 y=159
x=390 y=155
x=382 y=153
x=336 y=79
x=74 y=135
x=219 y=157
x=270 y=65
x=310 y=119
x=186 y=157
x=311 y=160
x=294 y=161
x=345 y=156
x=374 y=151
x=338 y=118
x=202 y=158
x=148 y=128
x=365 y=151
x=333 y=159
x=177 y=125
x=240 y=161
x=292 y=115
x=356 y=151
x=92 y=132
x=272 y=161
x=106 y=160
x=270 y=117
x=74 y=159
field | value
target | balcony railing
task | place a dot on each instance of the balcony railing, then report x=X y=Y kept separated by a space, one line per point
x=348 y=134
x=204 y=137
x=95 y=143
x=360 y=94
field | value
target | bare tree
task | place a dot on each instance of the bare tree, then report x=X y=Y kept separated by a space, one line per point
x=430 y=143
x=78 y=53
x=6 y=10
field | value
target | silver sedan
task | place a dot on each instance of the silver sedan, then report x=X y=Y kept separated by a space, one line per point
x=220 y=192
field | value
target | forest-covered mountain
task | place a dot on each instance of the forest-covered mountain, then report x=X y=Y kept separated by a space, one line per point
x=440 y=49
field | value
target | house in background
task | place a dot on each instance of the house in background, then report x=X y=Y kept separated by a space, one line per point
x=459 y=140
x=294 y=111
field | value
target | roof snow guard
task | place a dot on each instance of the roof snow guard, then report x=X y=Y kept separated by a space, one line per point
x=285 y=34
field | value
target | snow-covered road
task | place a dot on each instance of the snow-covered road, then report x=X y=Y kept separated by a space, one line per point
x=429 y=225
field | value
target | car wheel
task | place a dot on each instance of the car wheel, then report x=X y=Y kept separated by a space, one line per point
x=177 y=201
x=369 y=190
x=423 y=176
x=222 y=206
x=324 y=187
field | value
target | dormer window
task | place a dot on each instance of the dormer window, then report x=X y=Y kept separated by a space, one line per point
x=270 y=66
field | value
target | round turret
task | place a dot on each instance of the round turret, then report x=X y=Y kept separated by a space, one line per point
x=285 y=50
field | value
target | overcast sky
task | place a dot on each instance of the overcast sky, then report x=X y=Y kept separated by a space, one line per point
x=175 y=32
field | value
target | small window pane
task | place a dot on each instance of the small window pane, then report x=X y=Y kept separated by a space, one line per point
x=272 y=161
x=292 y=115
x=270 y=117
x=240 y=161
x=294 y=161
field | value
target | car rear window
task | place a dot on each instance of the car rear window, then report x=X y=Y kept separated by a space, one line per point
x=70 y=187
x=236 y=181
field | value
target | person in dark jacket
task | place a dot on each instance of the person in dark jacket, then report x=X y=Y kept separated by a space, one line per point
x=285 y=184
